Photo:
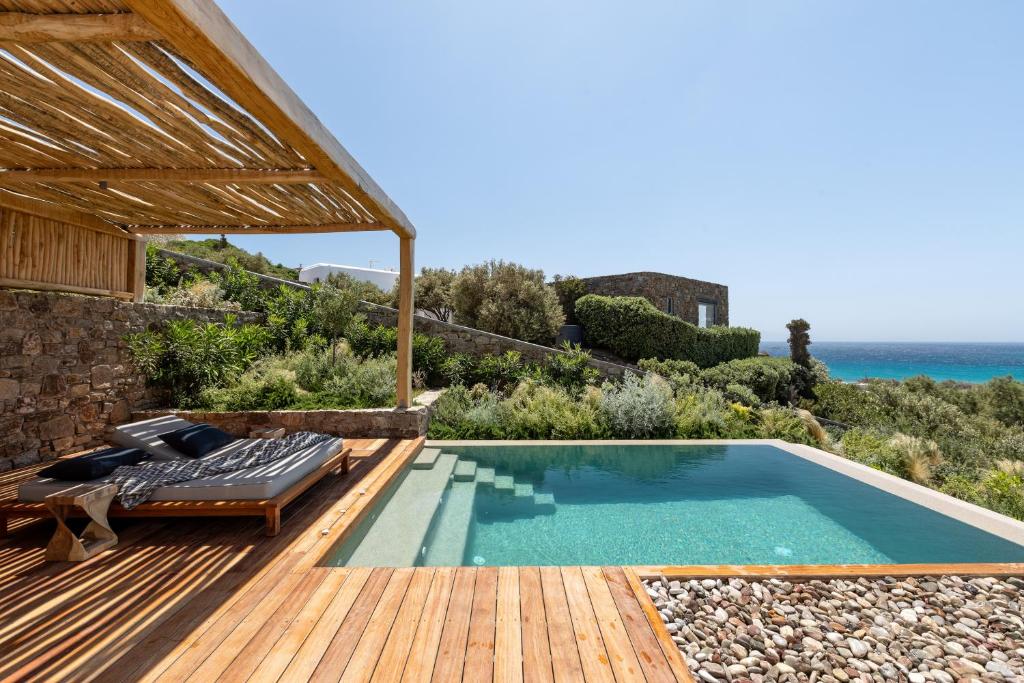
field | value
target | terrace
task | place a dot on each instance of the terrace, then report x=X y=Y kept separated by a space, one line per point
x=126 y=118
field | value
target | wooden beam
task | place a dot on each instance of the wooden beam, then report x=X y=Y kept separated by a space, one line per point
x=255 y=229
x=163 y=175
x=405 y=316
x=137 y=270
x=203 y=34
x=21 y=27
x=56 y=212
x=14 y=283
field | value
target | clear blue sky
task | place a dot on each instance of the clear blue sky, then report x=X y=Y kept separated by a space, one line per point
x=859 y=164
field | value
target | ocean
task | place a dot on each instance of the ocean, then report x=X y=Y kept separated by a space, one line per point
x=963 y=362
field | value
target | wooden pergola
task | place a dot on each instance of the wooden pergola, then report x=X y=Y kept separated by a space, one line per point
x=122 y=118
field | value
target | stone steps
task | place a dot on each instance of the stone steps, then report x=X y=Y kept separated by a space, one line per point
x=426 y=459
x=396 y=537
x=465 y=470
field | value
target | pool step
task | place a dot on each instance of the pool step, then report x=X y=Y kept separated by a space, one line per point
x=465 y=470
x=504 y=482
x=426 y=459
x=397 y=535
x=485 y=475
x=544 y=499
x=523 y=490
x=447 y=544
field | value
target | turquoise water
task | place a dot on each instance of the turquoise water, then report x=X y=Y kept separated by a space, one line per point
x=963 y=362
x=679 y=504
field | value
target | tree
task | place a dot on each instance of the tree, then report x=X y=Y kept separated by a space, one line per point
x=333 y=310
x=507 y=299
x=569 y=288
x=433 y=292
x=799 y=340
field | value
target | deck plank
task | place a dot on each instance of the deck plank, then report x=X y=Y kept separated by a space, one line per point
x=425 y=645
x=536 y=646
x=279 y=652
x=593 y=655
x=508 y=629
x=308 y=656
x=371 y=644
x=652 y=660
x=338 y=654
x=668 y=646
x=479 y=664
x=565 y=656
x=451 y=651
x=391 y=664
x=621 y=656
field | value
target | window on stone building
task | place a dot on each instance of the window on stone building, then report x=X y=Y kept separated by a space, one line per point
x=668 y=306
x=705 y=313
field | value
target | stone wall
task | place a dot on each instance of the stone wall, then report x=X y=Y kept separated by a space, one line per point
x=186 y=262
x=65 y=374
x=380 y=423
x=475 y=342
x=659 y=289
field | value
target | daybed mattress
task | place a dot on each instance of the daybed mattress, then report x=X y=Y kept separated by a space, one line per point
x=256 y=483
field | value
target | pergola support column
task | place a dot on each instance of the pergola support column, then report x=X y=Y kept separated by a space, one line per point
x=406 y=307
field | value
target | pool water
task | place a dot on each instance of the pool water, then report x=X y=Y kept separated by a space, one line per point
x=650 y=505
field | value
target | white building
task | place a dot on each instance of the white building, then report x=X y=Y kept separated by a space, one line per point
x=318 y=272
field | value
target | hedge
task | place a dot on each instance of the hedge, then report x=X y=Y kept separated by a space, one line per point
x=633 y=328
x=771 y=379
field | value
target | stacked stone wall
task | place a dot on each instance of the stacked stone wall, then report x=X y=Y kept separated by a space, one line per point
x=65 y=373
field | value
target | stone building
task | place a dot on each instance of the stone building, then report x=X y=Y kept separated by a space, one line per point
x=695 y=301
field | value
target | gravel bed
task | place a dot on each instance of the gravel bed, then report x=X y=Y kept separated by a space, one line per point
x=944 y=629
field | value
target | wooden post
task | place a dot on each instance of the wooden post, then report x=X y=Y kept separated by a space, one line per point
x=405 y=312
x=137 y=269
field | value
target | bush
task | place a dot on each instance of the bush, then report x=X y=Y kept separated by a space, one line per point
x=770 y=379
x=507 y=299
x=569 y=289
x=535 y=411
x=571 y=369
x=162 y=273
x=199 y=294
x=428 y=353
x=262 y=393
x=499 y=372
x=639 y=408
x=187 y=357
x=222 y=251
x=669 y=368
x=433 y=292
x=633 y=328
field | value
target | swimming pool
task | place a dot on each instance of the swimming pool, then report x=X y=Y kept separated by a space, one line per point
x=663 y=504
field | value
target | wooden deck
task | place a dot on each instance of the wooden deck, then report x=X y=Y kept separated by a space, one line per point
x=214 y=599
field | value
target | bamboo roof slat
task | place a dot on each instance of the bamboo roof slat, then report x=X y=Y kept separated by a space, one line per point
x=158 y=114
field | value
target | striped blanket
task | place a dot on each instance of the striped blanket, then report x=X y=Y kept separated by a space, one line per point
x=136 y=483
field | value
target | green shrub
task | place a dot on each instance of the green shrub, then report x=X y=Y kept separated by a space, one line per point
x=633 y=328
x=356 y=383
x=499 y=372
x=162 y=273
x=187 y=357
x=848 y=404
x=570 y=370
x=535 y=411
x=432 y=290
x=639 y=408
x=669 y=367
x=780 y=423
x=507 y=299
x=428 y=353
x=457 y=369
x=220 y=250
x=272 y=392
x=770 y=379
x=569 y=289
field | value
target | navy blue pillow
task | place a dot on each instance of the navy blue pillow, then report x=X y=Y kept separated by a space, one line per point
x=93 y=465
x=196 y=441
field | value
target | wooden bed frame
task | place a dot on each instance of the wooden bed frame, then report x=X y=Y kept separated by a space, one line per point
x=269 y=508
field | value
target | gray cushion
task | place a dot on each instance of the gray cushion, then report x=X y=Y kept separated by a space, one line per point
x=146 y=435
x=256 y=483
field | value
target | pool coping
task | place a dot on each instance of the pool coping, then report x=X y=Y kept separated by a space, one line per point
x=992 y=522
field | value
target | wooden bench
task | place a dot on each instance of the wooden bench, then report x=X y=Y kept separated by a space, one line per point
x=269 y=509
x=87 y=499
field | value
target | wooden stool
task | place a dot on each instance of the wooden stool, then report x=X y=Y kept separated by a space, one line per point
x=94 y=501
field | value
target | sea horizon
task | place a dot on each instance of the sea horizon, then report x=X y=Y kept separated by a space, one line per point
x=972 y=362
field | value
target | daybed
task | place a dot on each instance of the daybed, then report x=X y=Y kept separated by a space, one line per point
x=259 y=491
